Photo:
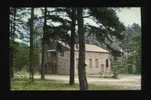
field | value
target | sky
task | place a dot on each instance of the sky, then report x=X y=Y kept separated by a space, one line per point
x=130 y=15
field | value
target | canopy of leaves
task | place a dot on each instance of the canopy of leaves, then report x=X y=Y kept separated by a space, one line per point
x=110 y=28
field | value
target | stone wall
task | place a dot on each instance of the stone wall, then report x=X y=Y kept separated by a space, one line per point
x=96 y=67
x=64 y=63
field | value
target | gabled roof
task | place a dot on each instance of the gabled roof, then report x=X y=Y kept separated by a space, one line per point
x=93 y=48
x=88 y=47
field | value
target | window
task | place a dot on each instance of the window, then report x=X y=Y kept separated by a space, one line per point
x=96 y=63
x=90 y=63
x=107 y=63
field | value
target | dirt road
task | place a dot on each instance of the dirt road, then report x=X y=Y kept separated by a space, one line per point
x=132 y=82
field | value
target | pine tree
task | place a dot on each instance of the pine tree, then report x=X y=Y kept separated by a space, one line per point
x=81 y=65
x=72 y=40
x=12 y=35
x=31 y=69
x=63 y=35
x=110 y=29
x=44 y=46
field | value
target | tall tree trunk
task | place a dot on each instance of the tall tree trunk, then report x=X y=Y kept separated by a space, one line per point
x=12 y=34
x=43 y=63
x=31 y=73
x=72 y=42
x=81 y=65
x=43 y=60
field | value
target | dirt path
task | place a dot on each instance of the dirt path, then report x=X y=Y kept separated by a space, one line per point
x=125 y=81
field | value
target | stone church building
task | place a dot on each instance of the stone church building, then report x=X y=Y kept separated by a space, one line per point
x=97 y=60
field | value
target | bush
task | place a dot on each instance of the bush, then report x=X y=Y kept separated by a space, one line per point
x=117 y=68
x=21 y=57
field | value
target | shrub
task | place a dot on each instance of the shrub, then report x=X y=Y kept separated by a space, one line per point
x=117 y=68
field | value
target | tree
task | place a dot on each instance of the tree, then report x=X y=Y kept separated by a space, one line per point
x=131 y=45
x=67 y=25
x=109 y=30
x=18 y=31
x=72 y=42
x=12 y=35
x=21 y=57
x=31 y=69
x=44 y=46
x=81 y=65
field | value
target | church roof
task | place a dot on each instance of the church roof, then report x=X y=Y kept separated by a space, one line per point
x=88 y=47
x=93 y=48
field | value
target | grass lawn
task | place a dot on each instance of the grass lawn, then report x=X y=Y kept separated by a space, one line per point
x=54 y=85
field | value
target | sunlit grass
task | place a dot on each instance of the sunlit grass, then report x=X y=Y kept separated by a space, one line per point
x=21 y=82
x=56 y=85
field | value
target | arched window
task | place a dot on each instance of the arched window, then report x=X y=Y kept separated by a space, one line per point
x=107 y=63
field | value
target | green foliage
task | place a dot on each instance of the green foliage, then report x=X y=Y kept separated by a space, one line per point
x=132 y=45
x=21 y=56
x=109 y=20
x=117 y=68
x=35 y=56
x=57 y=85
x=135 y=58
x=21 y=61
x=109 y=30
x=17 y=17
